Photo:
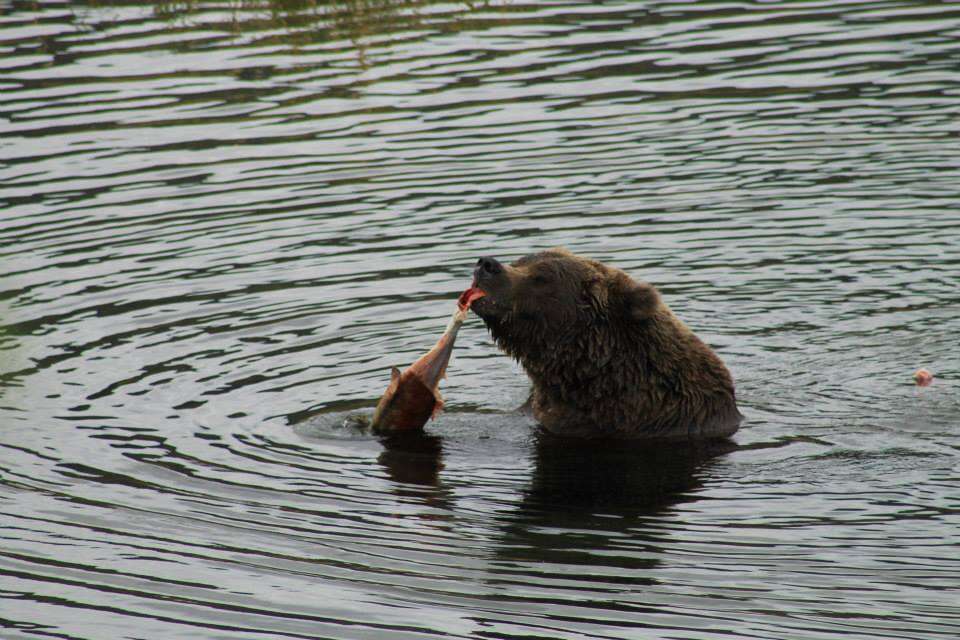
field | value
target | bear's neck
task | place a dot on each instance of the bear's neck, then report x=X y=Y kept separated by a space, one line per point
x=561 y=359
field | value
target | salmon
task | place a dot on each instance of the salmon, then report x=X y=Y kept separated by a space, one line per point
x=413 y=397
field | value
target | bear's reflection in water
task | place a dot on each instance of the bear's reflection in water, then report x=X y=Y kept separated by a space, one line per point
x=572 y=473
x=597 y=513
x=592 y=512
x=582 y=498
x=629 y=476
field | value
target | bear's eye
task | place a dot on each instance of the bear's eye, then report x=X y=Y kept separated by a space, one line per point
x=541 y=279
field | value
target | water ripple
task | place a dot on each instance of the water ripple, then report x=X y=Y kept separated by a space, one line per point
x=224 y=218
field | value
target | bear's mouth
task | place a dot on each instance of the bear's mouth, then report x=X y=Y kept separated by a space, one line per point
x=468 y=297
x=481 y=302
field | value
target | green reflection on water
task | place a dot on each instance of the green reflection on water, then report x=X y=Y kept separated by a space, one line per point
x=306 y=22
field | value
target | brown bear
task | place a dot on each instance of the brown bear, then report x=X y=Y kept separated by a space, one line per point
x=606 y=356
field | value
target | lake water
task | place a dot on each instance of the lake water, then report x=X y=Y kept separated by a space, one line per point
x=222 y=223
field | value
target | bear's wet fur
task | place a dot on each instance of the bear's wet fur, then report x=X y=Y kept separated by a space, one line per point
x=606 y=357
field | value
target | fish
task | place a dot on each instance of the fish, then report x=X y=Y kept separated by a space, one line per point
x=413 y=397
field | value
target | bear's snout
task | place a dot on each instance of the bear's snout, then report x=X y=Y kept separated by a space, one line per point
x=486 y=267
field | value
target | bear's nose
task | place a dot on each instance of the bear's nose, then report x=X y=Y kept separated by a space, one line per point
x=489 y=266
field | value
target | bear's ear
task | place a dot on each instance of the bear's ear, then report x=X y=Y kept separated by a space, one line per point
x=638 y=299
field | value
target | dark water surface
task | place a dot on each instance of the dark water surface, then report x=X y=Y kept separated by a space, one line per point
x=219 y=219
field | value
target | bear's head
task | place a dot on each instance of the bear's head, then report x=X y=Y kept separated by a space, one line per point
x=554 y=299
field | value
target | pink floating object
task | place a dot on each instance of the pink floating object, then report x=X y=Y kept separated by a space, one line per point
x=923 y=378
